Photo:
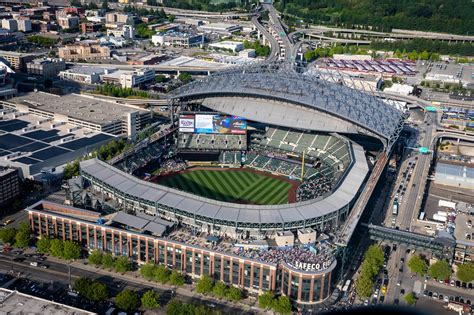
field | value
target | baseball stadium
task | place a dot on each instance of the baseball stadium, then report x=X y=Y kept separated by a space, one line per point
x=259 y=178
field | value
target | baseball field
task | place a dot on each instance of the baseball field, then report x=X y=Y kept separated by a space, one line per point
x=232 y=185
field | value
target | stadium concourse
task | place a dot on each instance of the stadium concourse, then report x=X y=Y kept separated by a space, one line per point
x=211 y=195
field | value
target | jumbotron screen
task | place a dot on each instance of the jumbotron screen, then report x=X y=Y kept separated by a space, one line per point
x=208 y=123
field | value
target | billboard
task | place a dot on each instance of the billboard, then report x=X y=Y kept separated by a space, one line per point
x=186 y=123
x=220 y=124
x=204 y=124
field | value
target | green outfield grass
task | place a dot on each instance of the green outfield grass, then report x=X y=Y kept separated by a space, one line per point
x=231 y=186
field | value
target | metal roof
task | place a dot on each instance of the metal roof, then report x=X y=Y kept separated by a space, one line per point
x=225 y=211
x=279 y=81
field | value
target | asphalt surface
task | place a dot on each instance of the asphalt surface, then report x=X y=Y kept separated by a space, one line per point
x=57 y=274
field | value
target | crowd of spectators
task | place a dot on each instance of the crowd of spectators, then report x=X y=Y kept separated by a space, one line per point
x=172 y=165
x=288 y=255
x=313 y=188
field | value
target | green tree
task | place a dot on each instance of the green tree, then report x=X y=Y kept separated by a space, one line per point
x=122 y=264
x=234 y=294
x=204 y=284
x=108 y=261
x=98 y=291
x=175 y=307
x=148 y=271
x=23 y=235
x=43 y=245
x=95 y=257
x=7 y=235
x=364 y=286
x=185 y=77
x=219 y=290
x=71 y=250
x=424 y=55
x=127 y=300
x=162 y=274
x=265 y=300
x=410 y=298
x=465 y=272
x=418 y=265
x=105 y=6
x=56 y=248
x=150 y=299
x=82 y=286
x=176 y=278
x=440 y=270
x=160 y=78
x=282 y=305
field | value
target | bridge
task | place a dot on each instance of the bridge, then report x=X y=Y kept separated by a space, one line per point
x=354 y=216
x=160 y=68
x=396 y=34
x=437 y=244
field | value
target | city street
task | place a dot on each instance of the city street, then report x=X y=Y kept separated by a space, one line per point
x=57 y=272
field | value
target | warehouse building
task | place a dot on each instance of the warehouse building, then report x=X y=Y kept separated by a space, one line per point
x=461 y=176
x=83 y=111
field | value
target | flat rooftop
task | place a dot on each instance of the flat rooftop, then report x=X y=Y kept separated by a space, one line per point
x=88 y=70
x=42 y=142
x=14 y=302
x=76 y=106
x=184 y=61
x=463 y=233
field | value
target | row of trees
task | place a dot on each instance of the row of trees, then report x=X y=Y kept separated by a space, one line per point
x=126 y=300
x=105 y=152
x=206 y=5
x=16 y=237
x=206 y=285
x=159 y=14
x=384 y=15
x=330 y=51
x=106 y=260
x=117 y=91
x=161 y=274
x=59 y=248
x=90 y=289
x=176 y=307
x=281 y=305
x=420 y=44
x=260 y=50
x=371 y=266
x=440 y=269
x=41 y=40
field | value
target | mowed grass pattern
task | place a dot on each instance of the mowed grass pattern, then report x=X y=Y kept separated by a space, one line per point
x=231 y=186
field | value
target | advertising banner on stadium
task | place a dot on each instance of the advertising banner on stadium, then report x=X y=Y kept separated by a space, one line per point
x=229 y=124
x=220 y=124
x=186 y=123
x=204 y=124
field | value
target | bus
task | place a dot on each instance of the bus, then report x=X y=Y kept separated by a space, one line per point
x=395 y=207
x=346 y=287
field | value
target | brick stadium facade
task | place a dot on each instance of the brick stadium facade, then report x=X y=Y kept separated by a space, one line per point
x=68 y=223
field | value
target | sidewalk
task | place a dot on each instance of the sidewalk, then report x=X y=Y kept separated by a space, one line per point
x=134 y=277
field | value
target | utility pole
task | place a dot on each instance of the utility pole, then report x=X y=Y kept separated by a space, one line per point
x=69 y=275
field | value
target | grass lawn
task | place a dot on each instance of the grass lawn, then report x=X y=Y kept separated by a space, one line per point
x=231 y=186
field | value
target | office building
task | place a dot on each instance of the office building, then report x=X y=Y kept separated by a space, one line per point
x=86 y=51
x=228 y=45
x=17 y=61
x=129 y=79
x=178 y=39
x=9 y=184
x=83 y=75
x=46 y=67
